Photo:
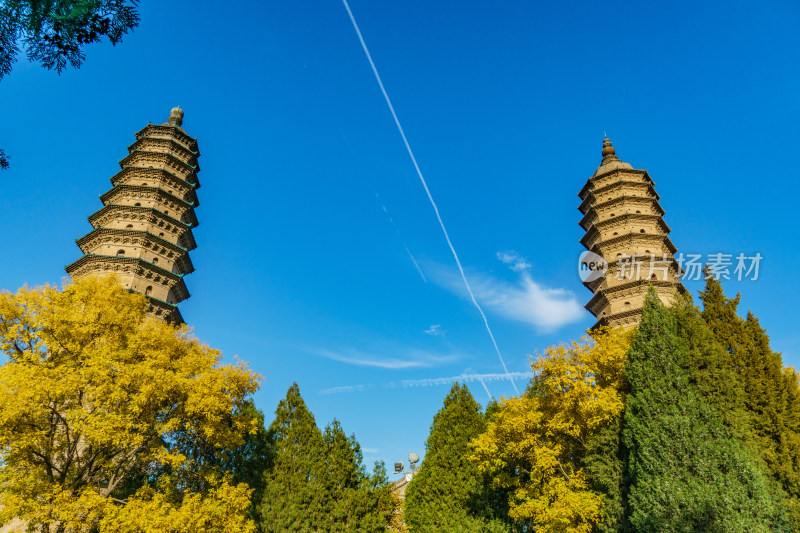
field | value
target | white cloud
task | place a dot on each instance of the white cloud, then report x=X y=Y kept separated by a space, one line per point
x=523 y=301
x=435 y=330
x=515 y=262
x=345 y=388
x=465 y=378
x=407 y=358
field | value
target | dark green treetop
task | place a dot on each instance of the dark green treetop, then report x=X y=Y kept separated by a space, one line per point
x=771 y=392
x=352 y=499
x=685 y=469
x=449 y=493
x=55 y=32
x=317 y=481
x=292 y=487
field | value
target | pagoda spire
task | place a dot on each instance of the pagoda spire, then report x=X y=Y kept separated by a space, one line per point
x=625 y=226
x=610 y=160
x=176 y=116
x=143 y=232
x=608 y=151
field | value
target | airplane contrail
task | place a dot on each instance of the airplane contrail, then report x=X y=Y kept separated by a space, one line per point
x=416 y=265
x=432 y=382
x=489 y=394
x=465 y=378
x=427 y=191
x=405 y=245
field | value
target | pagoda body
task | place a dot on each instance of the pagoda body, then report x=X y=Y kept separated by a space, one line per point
x=625 y=226
x=143 y=232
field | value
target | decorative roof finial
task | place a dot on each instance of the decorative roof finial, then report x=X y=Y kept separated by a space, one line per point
x=608 y=150
x=176 y=116
x=610 y=160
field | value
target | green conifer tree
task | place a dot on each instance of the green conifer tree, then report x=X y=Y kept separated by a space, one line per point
x=719 y=313
x=292 y=491
x=712 y=368
x=449 y=493
x=770 y=392
x=352 y=500
x=605 y=465
x=317 y=481
x=685 y=471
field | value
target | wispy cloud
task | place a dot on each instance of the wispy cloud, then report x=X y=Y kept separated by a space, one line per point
x=407 y=358
x=466 y=377
x=524 y=300
x=515 y=262
x=435 y=330
x=345 y=388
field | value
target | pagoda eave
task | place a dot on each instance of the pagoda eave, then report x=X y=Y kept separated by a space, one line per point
x=101 y=231
x=154 y=213
x=591 y=213
x=630 y=237
x=136 y=188
x=172 y=143
x=136 y=261
x=591 y=198
x=597 y=177
x=179 y=133
x=188 y=186
x=169 y=311
x=619 y=319
x=134 y=160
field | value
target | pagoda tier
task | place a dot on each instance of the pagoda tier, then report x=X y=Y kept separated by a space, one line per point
x=624 y=224
x=143 y=232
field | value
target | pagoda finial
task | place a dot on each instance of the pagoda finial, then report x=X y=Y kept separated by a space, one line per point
x=176 y=116
x=608 y=150
x=610 y=160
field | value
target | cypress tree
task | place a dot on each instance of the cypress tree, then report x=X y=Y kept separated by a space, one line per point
x=770 y=391
x=773 y=401
x=352 y=500
x=449 y=493
x=789 y=445
x=719 y=313
x=685 y=471
x=605 y=464
x=712 y=368
x=757 y=367
x=292 y=489
x=317 y=481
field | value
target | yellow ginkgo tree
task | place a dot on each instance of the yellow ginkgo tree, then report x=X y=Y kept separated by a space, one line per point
x=536 y=444
x=103 y=407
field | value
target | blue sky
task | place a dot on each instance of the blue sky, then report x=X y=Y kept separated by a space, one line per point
x=319 y=257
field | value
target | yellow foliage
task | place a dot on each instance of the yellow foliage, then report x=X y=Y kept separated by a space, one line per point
x=219 y=510
x=534 y=444
x=397 y=523
x=96 y=396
